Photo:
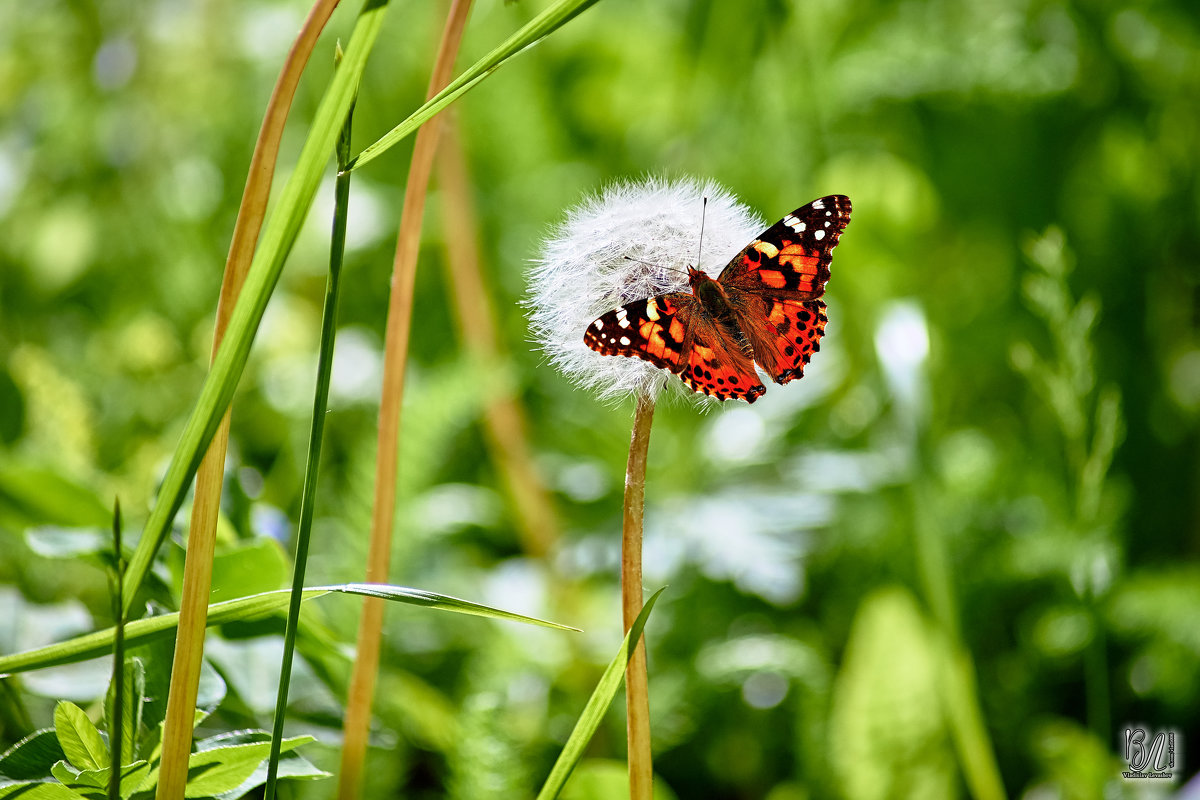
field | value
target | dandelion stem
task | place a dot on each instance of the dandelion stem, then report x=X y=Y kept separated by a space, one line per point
x=395 y=359
x=637 y=699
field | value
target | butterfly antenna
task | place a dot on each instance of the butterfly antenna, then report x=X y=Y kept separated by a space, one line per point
x=651 y=264
x=700 y=247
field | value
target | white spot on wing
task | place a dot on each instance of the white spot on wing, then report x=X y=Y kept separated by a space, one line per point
x=599 y=324
x=818 y=235
x=625 y=340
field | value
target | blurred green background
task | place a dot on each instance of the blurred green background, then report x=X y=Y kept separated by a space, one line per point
x=1016 y=166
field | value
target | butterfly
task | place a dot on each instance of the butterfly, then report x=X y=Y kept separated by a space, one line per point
x=765 y=306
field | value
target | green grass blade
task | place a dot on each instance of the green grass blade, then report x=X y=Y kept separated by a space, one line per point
x=140 y=631
x=99 y=643
x=550 y=20
x=441 y=602
x=596 y=706
x=316 y=434
x=278 y=236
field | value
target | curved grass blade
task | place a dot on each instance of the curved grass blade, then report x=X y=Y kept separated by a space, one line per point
x=90 y=645
x=441 y=602
x=541 y=26
x=278 y=236
x=100 y=643
x=597 y=704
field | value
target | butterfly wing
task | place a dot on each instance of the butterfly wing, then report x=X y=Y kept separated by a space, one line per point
x=654 y=329
x=791 y=258
x=775 y=284
x=783 y=333
x=671 y=331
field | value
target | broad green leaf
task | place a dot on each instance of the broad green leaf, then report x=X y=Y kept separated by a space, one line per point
x=64 y=772
x=131 y=718
x=33 y=790
x=224 y=768
x=252 y=568
x=541 y=26
x=278 y=235
x=78 y=737
x=133 y=776
x=597 y=704
x=31 y=757
x=291 y=765
x=52 y=541
x=37 y=496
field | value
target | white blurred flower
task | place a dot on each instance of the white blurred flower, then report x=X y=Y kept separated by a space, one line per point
x=583 y=270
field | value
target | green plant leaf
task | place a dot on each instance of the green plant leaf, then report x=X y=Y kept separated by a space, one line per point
x=131 y=718
x=252 y=568
x=291 y=765
x=225 y=767
x=278 y=235
x=541 y=26
x=64 y=772
x=53 y=541
x=36 y=790
x=78 y=737
x=597 y=704
x=37 y=496
x=94 y=782
x=31 y=757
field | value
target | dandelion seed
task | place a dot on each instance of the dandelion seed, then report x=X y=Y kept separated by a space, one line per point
x=632 y=241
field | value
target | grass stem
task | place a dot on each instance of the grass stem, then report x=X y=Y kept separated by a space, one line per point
x=316 y=435
x=395 y=359
x=197 y=581
x=116 y=731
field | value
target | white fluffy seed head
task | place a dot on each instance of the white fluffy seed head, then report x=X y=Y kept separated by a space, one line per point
x=583 y=271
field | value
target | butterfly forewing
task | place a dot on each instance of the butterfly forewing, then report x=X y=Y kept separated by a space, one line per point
x=654 y=329
x=792 y=257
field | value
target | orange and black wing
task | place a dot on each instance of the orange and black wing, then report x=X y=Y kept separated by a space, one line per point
x=783 y=333
x=774 y=286
x=791 y=258
x=672 y=331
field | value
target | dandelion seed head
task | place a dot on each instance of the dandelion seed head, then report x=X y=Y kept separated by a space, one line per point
x=631 y=241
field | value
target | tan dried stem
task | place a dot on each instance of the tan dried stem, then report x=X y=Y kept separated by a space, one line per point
x=504 y=419
x=395 y=359
x=637 y=688
x=206 y=505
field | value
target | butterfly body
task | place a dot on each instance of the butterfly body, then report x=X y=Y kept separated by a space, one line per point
x=764 y=307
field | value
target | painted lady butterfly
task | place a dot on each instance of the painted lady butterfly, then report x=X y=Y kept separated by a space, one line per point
x=765 y=306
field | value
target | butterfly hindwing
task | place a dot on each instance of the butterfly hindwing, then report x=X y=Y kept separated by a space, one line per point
x=783 y=333
x=792 y=257
x=718 y=365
